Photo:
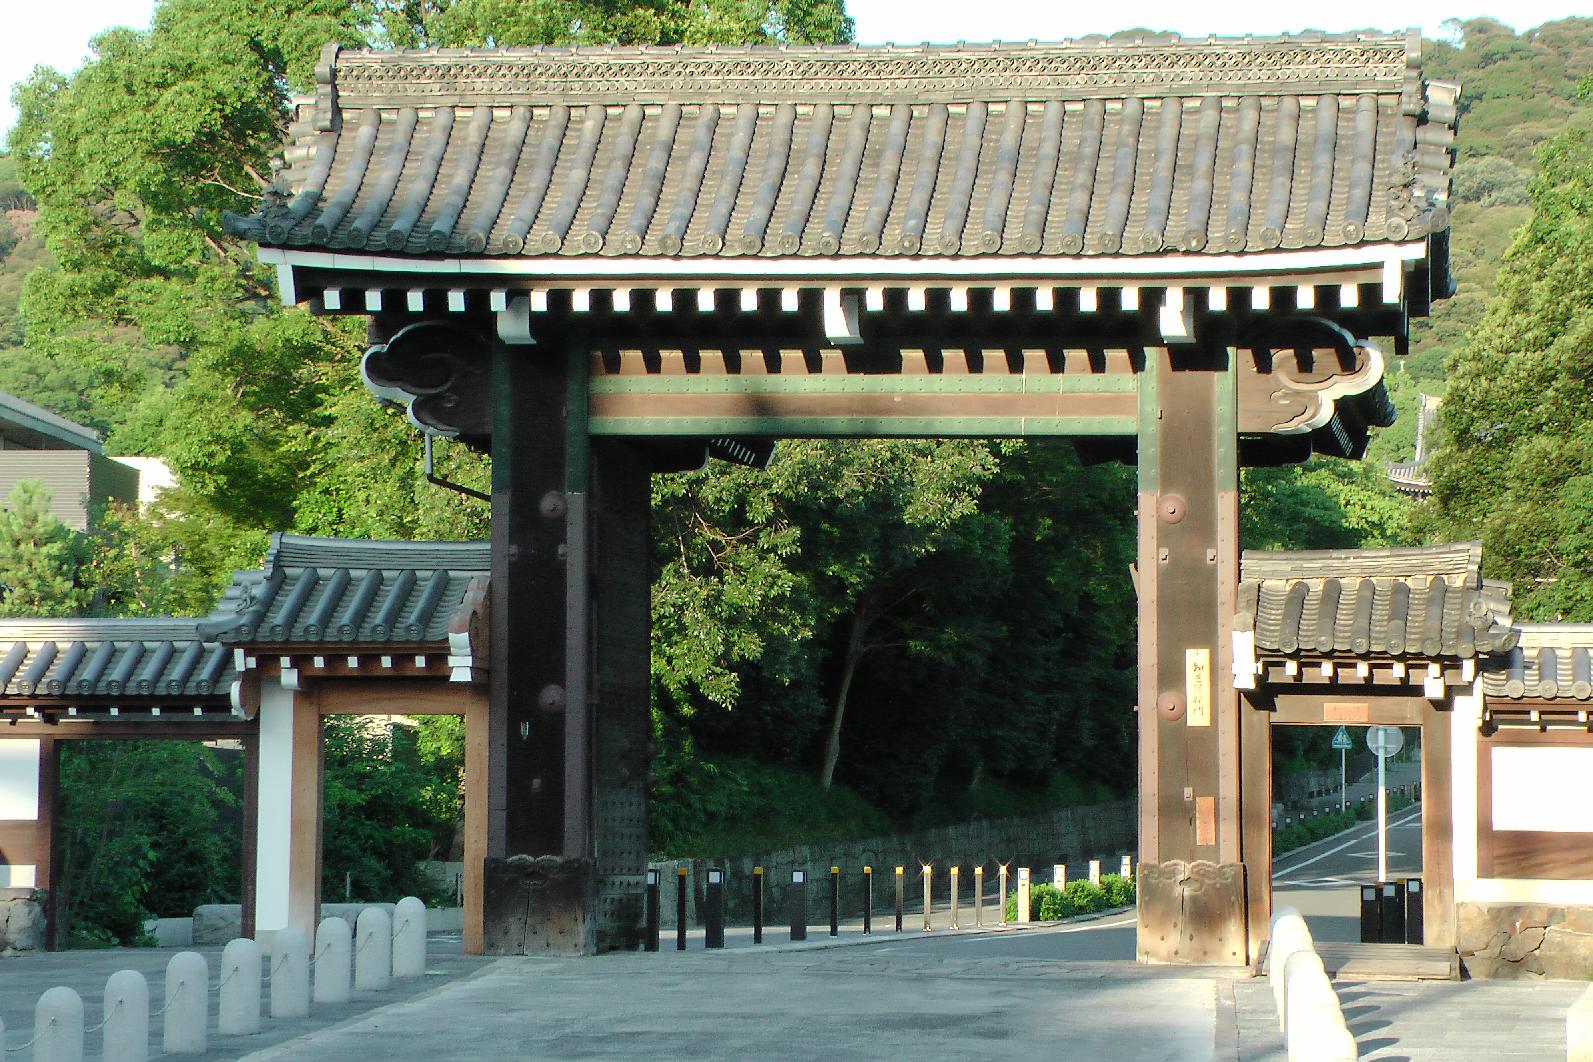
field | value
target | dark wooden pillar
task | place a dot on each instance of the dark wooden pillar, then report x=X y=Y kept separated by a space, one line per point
x=622 y=613
x=45 y=876
x=1192 y=880
x=251 y=828
x=538 y=881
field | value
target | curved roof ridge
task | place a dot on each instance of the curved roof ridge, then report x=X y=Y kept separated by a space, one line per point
x=99 y=628
x=313 y=551
x=1450 y=558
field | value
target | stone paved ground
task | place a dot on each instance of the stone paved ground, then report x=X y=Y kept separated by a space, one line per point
x=842 y=1004
x=1067 y=991
x=1427 y=1021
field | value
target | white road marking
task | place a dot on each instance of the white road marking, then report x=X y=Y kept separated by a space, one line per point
x=1276 y=871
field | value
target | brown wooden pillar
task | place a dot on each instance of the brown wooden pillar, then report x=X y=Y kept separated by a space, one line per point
x=538 y=880
x=475 y=839
x=1192 y=880
x=304 y=853
x=251 y=828
x=1438 y=828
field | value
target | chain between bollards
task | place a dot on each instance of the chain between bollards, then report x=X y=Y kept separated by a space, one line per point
x=103 y=1021
x=23 y=1047
x=175 y=993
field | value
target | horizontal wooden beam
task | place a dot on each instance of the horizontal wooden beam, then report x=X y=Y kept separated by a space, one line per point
x=796 y=427
x=412 y=696
x=156 y=729
x=864 y=384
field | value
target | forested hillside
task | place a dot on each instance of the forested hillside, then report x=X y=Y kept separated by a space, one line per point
x=864 y=634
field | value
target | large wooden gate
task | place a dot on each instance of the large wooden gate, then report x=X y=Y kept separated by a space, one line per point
x=601 y=262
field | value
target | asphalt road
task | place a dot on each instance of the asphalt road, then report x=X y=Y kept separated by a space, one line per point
x=1322 y=880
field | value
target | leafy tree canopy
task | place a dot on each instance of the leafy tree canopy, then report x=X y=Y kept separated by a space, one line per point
x=1518 y=467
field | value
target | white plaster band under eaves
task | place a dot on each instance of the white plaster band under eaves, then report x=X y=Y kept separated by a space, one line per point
x=643 y=272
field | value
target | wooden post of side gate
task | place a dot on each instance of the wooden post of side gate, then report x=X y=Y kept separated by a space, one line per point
x=1193 y=897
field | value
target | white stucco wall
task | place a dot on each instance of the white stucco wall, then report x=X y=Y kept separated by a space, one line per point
x=274 y=832
x=1524 y=807
x=19 y=800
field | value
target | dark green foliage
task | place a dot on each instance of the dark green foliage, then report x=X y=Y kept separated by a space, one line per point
x=1047 y=903
x=379 y=815
x=1310 y=830
x=148 y=829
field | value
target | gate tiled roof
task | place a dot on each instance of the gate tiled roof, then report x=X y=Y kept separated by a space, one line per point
x=1426 y=601
x=102 y=659
x=1554 y=661
x=1149 y=145
x=346 y=591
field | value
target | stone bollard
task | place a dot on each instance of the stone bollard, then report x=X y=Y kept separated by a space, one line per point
x=409 y=938
x=187 y=1004
x=238 y=990
x=1309 y=1004
x=58 y=1026
x=1579 y=1029
x=1289 y=935
x=1336 y=1044
x=290 y=974
x=126 y=1017
x=373 y=951
x=333 y=961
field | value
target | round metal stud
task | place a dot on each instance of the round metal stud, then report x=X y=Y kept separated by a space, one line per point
x=1171 y=508
x=1170 y=706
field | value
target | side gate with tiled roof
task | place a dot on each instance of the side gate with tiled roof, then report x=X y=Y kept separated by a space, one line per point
x=602 y=262
x=324 y=627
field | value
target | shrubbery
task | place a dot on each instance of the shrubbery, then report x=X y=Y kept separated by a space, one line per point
x=1308 y=831
x=1047 y=903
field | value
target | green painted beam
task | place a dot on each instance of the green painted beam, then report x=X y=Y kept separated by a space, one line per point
x=877 y=427
x=871 y=383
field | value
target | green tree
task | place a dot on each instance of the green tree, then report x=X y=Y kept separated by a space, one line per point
x=39 y=557
x=1517 y=469
x=148 y=829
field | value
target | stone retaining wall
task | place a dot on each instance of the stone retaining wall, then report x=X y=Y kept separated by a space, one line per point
x=22 y=921
x=218 y=923
x=1525 y=941
x=1072 y=836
